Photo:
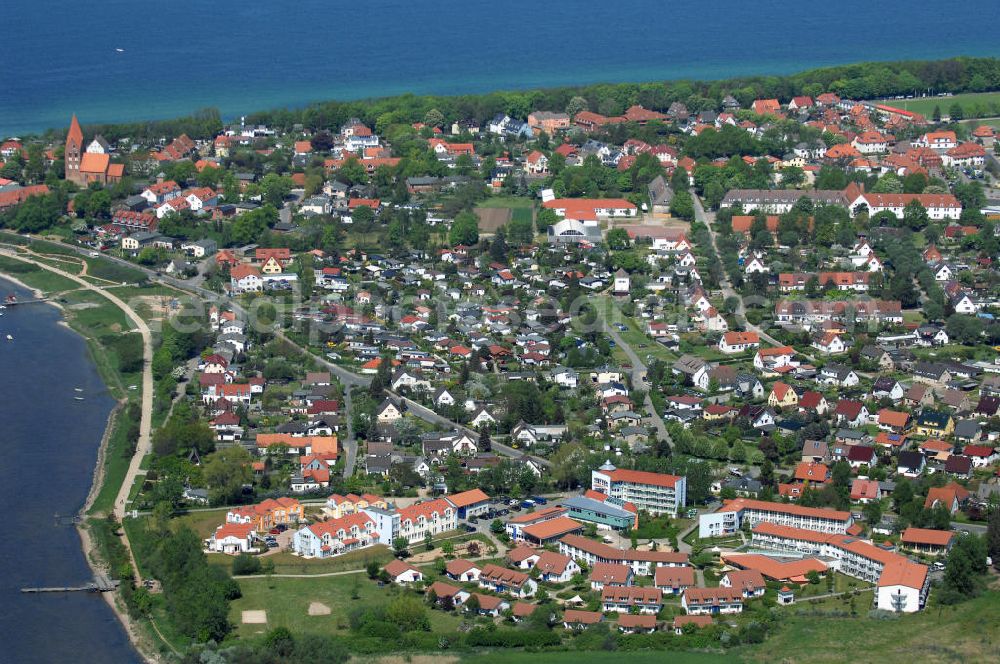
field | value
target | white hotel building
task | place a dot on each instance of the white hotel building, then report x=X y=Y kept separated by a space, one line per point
x=730 y=517
x=655 y=493
x=902 y=585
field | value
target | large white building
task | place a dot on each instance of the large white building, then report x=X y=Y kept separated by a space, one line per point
x=415 y=522
x=335 y=536
x=901 y=585
x=730 y=517
x=655 y=493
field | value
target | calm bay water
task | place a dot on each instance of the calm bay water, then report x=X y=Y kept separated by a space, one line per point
x=50 y=444
x=60 y=57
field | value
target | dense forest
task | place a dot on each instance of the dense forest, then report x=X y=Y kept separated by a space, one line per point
x=857 y=81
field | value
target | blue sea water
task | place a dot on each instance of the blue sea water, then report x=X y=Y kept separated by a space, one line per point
x=50 y=444
x=59 y=56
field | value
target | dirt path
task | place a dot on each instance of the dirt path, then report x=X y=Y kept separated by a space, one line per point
x=145 y=421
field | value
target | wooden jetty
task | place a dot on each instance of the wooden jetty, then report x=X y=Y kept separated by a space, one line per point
x=100 y=584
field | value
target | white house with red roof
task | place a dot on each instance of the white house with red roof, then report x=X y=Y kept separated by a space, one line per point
x=245 y=279
x=233 y=538
x=335 y=536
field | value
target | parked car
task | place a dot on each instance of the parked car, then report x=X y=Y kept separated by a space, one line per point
x=470 y=529
x=540 y=500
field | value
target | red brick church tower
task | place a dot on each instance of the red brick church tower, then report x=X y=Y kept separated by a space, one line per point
x=74 y=152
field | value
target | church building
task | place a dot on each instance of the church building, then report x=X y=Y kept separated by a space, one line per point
x=83 y=166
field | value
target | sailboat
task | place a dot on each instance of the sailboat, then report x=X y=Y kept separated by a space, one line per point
x=120 y=50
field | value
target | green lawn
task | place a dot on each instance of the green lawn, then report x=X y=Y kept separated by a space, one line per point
x=598 y=657
x=968 y=632
x=507 y=202
x=926 y=105
x=287 y=601
x=116 y=464
x=35 y=277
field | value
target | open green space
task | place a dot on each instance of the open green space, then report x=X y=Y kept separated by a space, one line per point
x=599 y=657
x=507 y=202
x=925 y=105
x=820 y=632
x=287 y=601
x=35 y=277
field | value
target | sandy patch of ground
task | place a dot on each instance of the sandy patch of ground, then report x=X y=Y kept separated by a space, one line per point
x=254 y=617
x=318 y=609
x=154 y=307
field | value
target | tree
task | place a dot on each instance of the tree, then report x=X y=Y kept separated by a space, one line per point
x=956 y=112
x=280 y=642
x=993 y=536
x=915 y=215
x=966 y=563
x=936 y=114
x=408 y=614
x=322 y=141
x=872 y=512
x=226 y=472
x=682 y=204
x=464 y=229
x=575 y=105
x=618 y=239
x=399 y=546
x=434 y=118
x=428 y=541
x=275 y=188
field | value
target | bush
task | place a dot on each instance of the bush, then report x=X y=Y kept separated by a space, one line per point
x=246 y=564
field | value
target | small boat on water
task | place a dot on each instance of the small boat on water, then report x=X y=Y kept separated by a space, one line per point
x=78 y=389
x=120 y=50
x=10 y=338
x=78 y=398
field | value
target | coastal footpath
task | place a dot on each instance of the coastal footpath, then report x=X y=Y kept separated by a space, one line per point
x=143 y=447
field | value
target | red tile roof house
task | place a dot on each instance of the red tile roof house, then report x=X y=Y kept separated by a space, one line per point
x=233 y=538
x=503 y=580
x=575 y=619
x=445 y=592
x=981 y=455
x=864 y=491
x=555 y=567
x=612 y=574
x=402 y=572
x=749 y=582
x=707 y=601
x=623 y=599
x=928 y=541
x=462 y=570
x=523 y=557
x=738 y=342
x=696 y=622
x=488 y=605
x=637 y=624
x=673 y=580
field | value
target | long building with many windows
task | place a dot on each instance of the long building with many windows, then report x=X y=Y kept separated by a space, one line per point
x=655 y=493
x=730 y=517
x=902 y=585
x=641 y=562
